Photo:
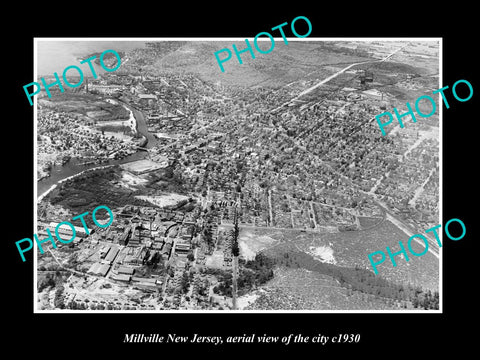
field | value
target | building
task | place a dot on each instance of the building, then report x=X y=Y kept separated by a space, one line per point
x=135 y=238
x=154 y=116
x=106 y=89
x=123 y=240
x=99 y=269
x=187 y=233
x=132 y=260
x=145 y=283
x=121 y=277
x=158 y=243
x=374 y=94
x=112 y=254
x=104 y=251
x=147 y=97
x=65 y=231
x=167 y=248
x=125 y=270
x=213 y=145
x=182 y=248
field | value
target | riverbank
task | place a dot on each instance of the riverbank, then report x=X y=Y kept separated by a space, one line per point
x=60 y=172
x=41 y=196
x=131 y=122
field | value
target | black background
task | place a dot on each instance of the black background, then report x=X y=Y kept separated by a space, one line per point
x=97 y=335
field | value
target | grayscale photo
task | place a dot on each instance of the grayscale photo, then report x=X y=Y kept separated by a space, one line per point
x=164 y=184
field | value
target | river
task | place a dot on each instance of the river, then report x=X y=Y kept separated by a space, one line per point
x=55 y=55
x=74 y=166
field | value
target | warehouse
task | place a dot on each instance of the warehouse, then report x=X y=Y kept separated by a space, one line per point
x=112 y=254
x=66 y=231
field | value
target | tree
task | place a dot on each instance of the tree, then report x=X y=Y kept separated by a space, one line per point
x=72 y=305
x=58 y=301
x=234 y=236
x=235 y=252
x=207 y=234
x=185 y=282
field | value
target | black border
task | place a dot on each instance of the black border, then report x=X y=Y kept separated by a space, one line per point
x=381 y=334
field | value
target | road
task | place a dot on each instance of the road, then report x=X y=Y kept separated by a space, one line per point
x=312 y=211
x=326 y=80
x=234 y=282
x=432 y=244
x=308 y=230
x=420 y=189
x=389 y=215
x=63 y=267
x=399 y=223
x=270 y=206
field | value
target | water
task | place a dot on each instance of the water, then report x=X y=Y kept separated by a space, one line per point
x=55 y=56
x=74 y=166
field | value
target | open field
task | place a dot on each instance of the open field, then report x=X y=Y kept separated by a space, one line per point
x=95 y=188
x=300 y=289
x=286 y=63
x=92 y=106
x=167 y=200
x=351 y=248
x=251 y=243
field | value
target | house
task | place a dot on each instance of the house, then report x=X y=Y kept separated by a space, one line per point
x=125 y=270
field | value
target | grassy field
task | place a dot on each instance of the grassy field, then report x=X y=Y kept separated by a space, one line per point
x=284 y=64
x=300 y=289
x=299 y=60
x=104 y=187
x=351 y=249
x=86 y=104
x=93 y=189
x=352 y=283
x=368 y=222
x=355 y=280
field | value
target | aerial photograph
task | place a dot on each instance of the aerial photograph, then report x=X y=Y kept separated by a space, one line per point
x=260 y=188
